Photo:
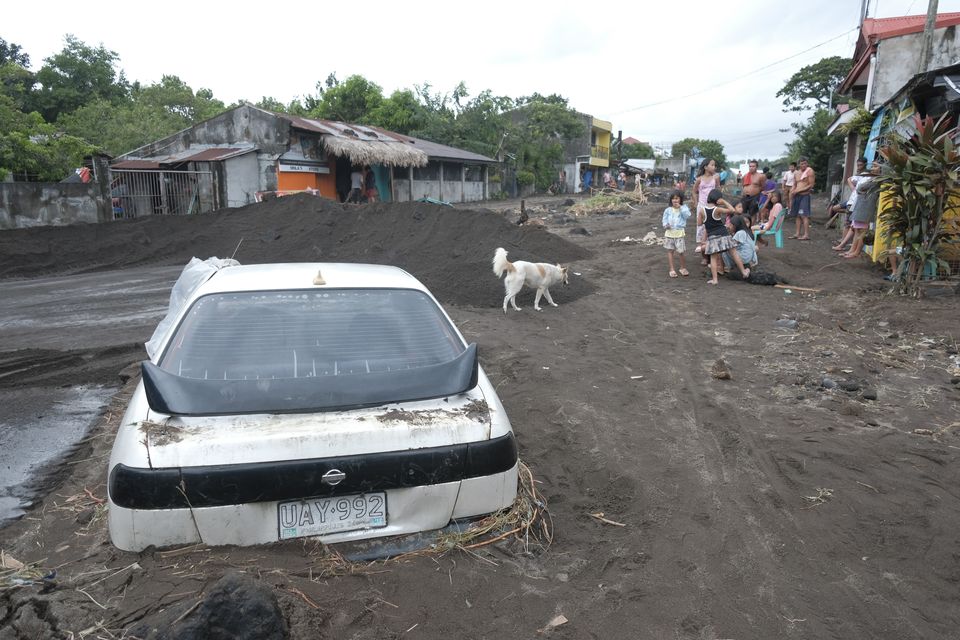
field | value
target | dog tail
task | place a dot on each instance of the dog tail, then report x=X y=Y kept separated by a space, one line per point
x=500 y=262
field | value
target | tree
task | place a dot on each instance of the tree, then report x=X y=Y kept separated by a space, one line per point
x=707 y=149
x=76 y=76
x=151 y=112
x=10 y=52
x=353 y=100
x=401 y=112
x=814 y=83
x=537 y=138
x=17 y=83
x=33 y=150
x=813 y=142
x=638 y=150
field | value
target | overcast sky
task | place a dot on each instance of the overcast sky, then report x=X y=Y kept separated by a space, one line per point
x=635 y=64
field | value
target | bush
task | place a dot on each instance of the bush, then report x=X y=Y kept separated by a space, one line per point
x=525 y=178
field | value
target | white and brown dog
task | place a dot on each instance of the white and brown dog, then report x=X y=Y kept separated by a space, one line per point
x=536 y=275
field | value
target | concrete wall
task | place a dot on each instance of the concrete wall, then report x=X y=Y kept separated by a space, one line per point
x=245 y=124
x=898 y=60
x=34 y=204
x=243 y=179
x=449 y=190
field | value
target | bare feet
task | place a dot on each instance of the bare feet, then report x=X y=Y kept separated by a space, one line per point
x=849 y=256
x=839 y=247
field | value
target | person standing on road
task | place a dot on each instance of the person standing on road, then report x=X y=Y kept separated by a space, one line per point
x=787 y=186
x=674 y=222
x=706 y=182
x=801 y=199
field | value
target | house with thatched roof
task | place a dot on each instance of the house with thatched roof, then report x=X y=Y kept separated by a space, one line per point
x=246 y=154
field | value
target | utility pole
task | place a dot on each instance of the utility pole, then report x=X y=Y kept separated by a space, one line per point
x=864 y=6
x=927 y=49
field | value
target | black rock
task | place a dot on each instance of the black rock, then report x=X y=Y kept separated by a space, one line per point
x=955 y=380
x=869 y=394
x=786 y=323
x=850 y=385
x=579 y=231
x=828 y=383
x=237 y=607
x=569 y=202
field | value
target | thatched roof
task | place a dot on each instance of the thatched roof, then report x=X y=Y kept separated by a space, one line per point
x=362 y=144
x=387 y=152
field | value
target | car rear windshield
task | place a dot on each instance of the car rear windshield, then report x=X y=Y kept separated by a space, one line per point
x=300 y=334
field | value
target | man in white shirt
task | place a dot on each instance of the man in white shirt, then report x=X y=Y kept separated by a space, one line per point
x=356 y=186
x=787 y=182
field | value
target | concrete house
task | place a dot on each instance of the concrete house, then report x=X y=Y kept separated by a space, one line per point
x=886 y=58
x=247 y=153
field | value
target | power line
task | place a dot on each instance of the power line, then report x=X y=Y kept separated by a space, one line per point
x=746 y=75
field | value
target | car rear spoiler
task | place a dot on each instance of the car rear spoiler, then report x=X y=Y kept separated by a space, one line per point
x=171 y=394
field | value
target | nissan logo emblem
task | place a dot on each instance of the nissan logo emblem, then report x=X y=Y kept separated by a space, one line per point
x=333 y=477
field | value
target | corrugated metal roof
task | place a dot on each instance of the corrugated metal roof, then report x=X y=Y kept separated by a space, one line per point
x=135 y=164
x=340 y=129
x=437 y=151
x=214 y=154
x=194 y=154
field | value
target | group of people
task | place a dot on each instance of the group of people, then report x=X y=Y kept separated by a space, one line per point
x=726 y=232
x=859 y=210
x=363 y=185
x=728 y=235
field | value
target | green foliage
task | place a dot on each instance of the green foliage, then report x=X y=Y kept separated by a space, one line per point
x=401 y=112
x=10 y=52
x=536 y=138
x=525 y=178
x=813 y=142
x=33 y=150
x=639 y=150
x=814 y=83
x=708 y=149
x=860 y=124
x=77 y=75
x=921 y=178
x=16 y=82
x=152 y=112
x=352 y=100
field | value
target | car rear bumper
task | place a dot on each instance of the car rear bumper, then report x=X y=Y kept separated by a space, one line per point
x=409 y=510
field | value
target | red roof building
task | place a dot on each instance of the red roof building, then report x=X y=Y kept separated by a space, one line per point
x=887 y=55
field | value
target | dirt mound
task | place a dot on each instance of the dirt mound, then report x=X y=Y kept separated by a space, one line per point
x=448 y=249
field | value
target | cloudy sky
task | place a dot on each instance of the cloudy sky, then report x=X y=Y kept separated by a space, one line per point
x=660 y=71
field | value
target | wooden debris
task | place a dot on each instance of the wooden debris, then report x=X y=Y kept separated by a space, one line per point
x=599 y=516
x=787 y=286
x=555 y=622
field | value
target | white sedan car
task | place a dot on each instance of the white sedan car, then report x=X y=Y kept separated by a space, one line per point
x=292 y=400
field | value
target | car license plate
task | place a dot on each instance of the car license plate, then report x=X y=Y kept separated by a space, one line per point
x=321 y=516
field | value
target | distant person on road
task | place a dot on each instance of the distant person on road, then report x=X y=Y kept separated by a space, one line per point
x=801 y=199
x=787 y=183
x=753 y=183
x=586 y=181
x=674 y=229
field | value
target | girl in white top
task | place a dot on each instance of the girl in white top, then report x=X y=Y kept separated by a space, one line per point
x=674 y=220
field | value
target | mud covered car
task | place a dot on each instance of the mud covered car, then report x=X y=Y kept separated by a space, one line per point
x=293 y=400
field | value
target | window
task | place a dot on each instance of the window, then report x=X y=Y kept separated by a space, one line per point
x=473 y=172
x=429 y=172
x=452 y=172
x=302 y=334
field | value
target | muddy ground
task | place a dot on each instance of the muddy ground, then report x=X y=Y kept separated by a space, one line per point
x=812 y=495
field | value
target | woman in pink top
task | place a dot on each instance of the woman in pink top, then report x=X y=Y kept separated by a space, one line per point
x=707 y=180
